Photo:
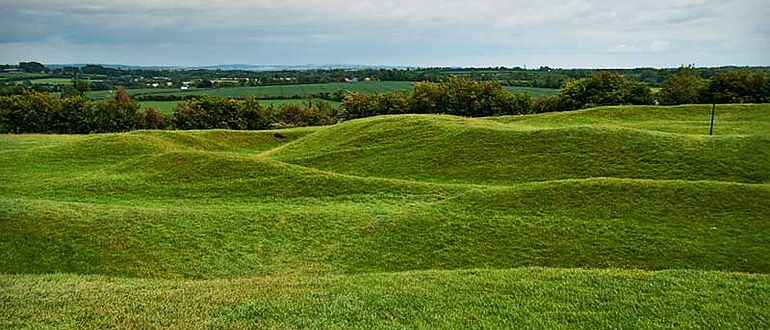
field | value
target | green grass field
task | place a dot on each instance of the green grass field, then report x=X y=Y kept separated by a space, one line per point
x=20 y=76
x=37 y=78
x=166 y=107
x=534 y=91
x=55 y=81
x=300 y=90
x=615 y=217
x=52 y=81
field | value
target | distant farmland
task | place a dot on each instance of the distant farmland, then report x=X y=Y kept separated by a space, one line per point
x=54 y=81
x=301 y=91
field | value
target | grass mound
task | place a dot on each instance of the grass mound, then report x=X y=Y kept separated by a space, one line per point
x=414 y=220
x=478 y=151
x=730 y=119
x=590 y=223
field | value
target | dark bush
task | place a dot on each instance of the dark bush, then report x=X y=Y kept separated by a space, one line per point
x=603 y=88
x=738 y=86
x=684 y=87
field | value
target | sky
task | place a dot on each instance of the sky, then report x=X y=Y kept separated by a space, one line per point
x=480 y=33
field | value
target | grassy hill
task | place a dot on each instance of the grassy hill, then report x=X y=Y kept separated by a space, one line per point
x=458 y=150
x=411 y=220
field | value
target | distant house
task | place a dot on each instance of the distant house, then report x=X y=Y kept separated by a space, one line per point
x=351 y=80
x=184 y=88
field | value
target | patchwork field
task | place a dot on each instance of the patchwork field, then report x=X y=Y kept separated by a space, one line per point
x=301 y=90
x=55 y=81
x=279 y=91
x=615 y=217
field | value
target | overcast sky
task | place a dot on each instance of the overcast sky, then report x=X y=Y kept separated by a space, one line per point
x=578 y=33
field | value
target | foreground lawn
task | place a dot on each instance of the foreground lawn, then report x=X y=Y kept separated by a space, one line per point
x=518 y=298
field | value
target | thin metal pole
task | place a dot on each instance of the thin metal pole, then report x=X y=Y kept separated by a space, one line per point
x=713 y=109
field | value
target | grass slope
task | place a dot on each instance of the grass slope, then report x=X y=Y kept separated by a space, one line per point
x=458 y=150
x=730 y=119
x=605 y=223
x=371 y=223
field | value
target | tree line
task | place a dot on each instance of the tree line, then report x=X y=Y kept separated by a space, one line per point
x=107 y=78
x=35 y=112
x=465 y=97
x=456 y=96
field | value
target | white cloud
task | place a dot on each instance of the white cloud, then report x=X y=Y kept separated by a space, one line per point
x=388 y=31
x=623 y=48
x=659 y=46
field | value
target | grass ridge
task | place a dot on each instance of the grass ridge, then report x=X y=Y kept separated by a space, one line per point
x=614 y=217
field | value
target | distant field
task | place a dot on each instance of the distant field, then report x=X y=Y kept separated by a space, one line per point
x=37 y=78
x=275 y=91
x=133 y=92
x=53 y=81
x=167 y=107
x=58 y=81
x=612 y=217
x=299 y=90
x=277 y=103
x=21 y=76
x=536 y=92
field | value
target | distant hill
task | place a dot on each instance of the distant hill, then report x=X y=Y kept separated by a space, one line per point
x=243 y=67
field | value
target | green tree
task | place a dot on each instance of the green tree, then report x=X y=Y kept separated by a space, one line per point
x=31 y=112
x=33 y=67
x=74 y=117
x=424 y=98
x=684 y=87
x=255 y=115
x=603 y=88
x=738 y=86
x=547 y=104
x=117 y=114
x=459 y=96
x=292 y=115
x=361 y=105
x=78 y=88
x=154 y=119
